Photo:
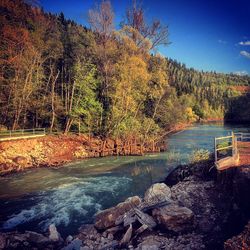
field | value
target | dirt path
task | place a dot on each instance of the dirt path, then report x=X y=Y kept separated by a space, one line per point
x=244 y=150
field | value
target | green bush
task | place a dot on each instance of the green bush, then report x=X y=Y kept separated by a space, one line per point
x=225 y=151
x=199 y=155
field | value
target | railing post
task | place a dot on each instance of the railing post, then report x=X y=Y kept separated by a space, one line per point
x=236 y=146
x=233 y=144
x=215 y=150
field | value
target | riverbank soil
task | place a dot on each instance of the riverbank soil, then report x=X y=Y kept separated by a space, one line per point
x=244 y=150
x=51 y=151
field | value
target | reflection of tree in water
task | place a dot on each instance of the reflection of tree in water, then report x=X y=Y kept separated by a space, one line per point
x=143 y=171
x=173 y=156
x=140 y=170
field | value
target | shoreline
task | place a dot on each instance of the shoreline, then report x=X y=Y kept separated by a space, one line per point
x=72 y=148
x=54 y=151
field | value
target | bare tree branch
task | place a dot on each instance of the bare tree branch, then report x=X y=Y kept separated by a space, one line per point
x=101 y=19
x=155 y=32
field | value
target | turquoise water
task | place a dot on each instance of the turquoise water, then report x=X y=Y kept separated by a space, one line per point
x=71 y=195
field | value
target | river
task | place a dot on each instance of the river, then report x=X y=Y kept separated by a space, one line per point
x=71 y=195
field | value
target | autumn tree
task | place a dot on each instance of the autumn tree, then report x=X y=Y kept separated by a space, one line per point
x=22 y=56
x=101 y=20
x=60 y=75
x=155 y=32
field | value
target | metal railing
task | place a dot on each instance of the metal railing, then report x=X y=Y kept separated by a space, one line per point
x=244 y=137
x=21 y=133
x=225 y=143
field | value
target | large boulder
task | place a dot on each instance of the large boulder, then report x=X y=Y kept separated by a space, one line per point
x=157 y=193
x=107 y=218
x=36 y=238
x=174 y=217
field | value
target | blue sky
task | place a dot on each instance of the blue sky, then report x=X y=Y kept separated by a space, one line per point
x=204 y=34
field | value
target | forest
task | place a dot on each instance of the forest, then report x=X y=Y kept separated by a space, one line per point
x=102 y=81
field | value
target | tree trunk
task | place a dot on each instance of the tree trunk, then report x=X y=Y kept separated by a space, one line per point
x=53 y=102
x=68 y=125
x=79 y=126
x=102 y=153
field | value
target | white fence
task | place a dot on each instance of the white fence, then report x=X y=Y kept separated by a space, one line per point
x=21 y=134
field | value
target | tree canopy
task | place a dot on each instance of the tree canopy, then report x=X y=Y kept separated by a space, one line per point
x=104 y=81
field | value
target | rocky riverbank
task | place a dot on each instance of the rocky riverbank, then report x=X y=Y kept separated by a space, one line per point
x=54 y=151
x=196 y=208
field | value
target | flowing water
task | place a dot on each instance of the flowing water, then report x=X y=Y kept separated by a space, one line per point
x=71 y=195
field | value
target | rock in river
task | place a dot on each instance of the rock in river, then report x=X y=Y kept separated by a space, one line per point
x=107 y=218
x=157 y=192
x=53 y=233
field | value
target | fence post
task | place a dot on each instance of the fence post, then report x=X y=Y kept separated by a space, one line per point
x=233 y=144
x=215 y=150
x=236 y=146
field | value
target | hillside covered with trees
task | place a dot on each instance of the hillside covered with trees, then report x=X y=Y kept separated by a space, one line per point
x=214 y=95
x=106 y=82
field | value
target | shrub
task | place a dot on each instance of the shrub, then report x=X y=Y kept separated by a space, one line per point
x=199 y=155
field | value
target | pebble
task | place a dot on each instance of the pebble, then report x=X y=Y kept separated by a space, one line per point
x=69 y=239
x=110 y=237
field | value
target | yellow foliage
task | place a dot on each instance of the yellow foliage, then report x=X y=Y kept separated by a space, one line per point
x=190 y=115
x=132 y=40
x=131 y=83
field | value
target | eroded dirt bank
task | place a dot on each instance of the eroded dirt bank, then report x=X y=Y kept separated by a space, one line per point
x=196 y=208
x=51 y=151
